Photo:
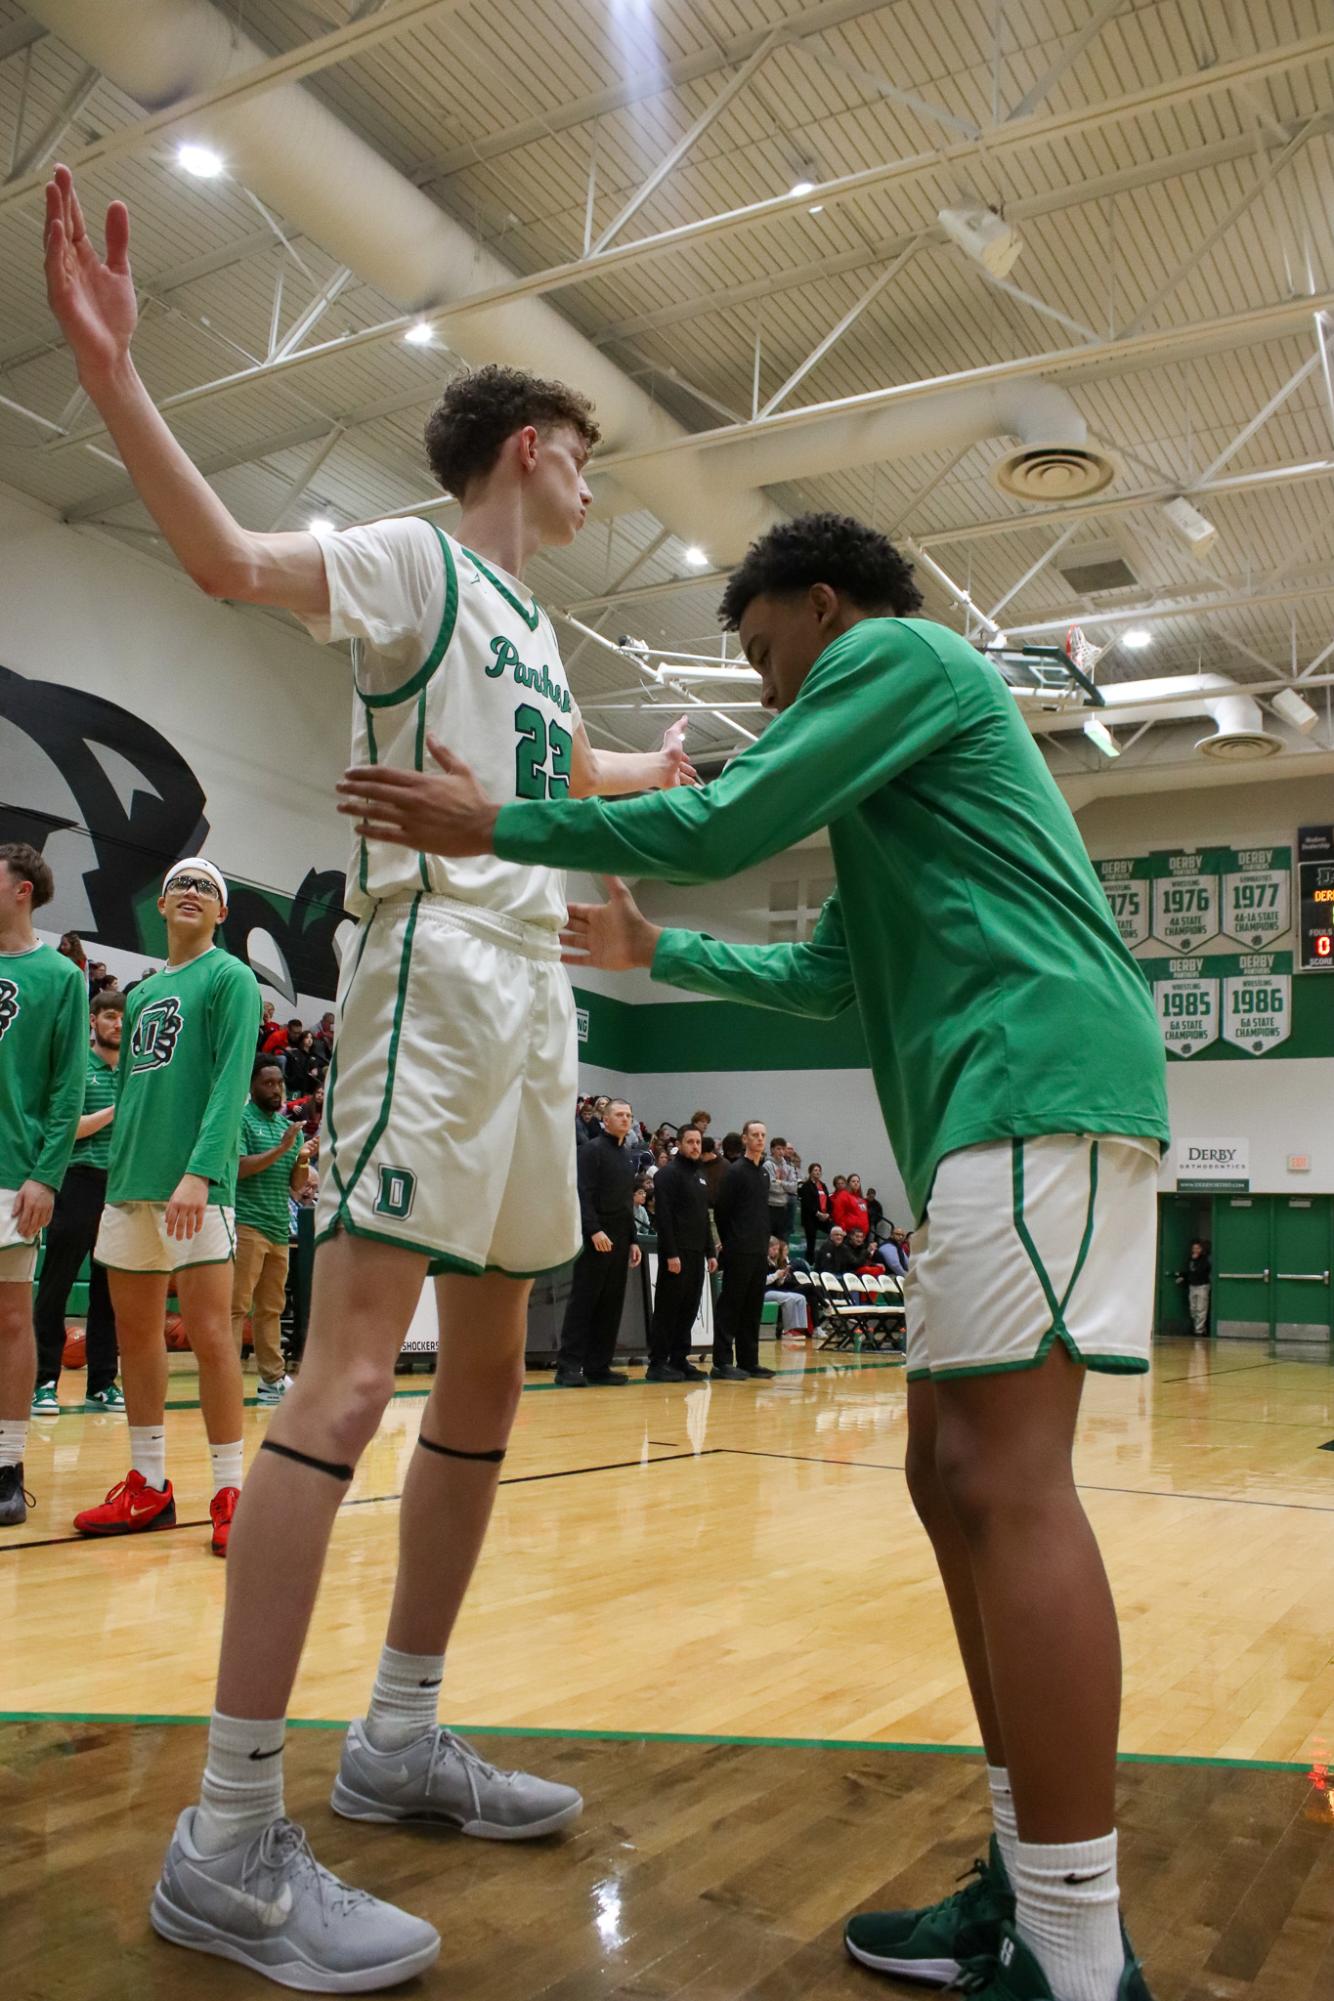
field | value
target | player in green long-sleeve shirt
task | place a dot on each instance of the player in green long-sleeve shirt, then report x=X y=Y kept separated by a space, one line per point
x=1022 y=1079
x=43 y=1035
x=184 y=1074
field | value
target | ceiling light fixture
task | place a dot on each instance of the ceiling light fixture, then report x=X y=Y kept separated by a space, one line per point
x=697 y=558
x=201 y=161
x=1137 y=637
x=420 y=334
x=1198 y=534
x=802 y=188
x=321 y=525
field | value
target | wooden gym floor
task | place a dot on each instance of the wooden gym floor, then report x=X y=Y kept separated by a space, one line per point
x=714 y=1612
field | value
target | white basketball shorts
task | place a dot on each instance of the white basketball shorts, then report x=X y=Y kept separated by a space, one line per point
x=449 y=1107
x=132 y=1236
x=1030 y=1241
x=18 y=1255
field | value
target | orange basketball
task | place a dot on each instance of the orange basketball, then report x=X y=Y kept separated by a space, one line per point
x=175 y=1332
x=76 y=1349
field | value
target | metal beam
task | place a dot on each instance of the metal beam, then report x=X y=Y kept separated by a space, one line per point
x=314 y=312
x=340 y=45
x=1257 y=423
x=1220 y=229
x=1189 y=608
x=19 y=35
x=298 y=484
x=675 y=154
x=836 y=332
x=648 y=82
x=921 y=107
x=1068 y=195
x=1035 y=569
x=1069 y=55
x=44 y=145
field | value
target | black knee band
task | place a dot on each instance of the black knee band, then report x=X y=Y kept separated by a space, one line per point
x=451 y=1452
x=305 y=1459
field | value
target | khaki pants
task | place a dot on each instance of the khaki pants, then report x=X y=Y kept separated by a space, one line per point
x=259 y=1287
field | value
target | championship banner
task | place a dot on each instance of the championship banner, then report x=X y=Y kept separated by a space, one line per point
x=1257 y=1000
x=1186 y=898
x=1187 y=1007
x=1126 y=885
x=1257 y=895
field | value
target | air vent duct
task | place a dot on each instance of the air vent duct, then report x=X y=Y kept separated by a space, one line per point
x=1240 y=736
x=1053 y=474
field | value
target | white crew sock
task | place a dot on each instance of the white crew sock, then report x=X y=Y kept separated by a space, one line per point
x=405 y=1699
x=1068 y=1915
x=1002 y=1813
x=13 y=1440
x=226 y=1463
x=148 y=1452
x=243 y=1782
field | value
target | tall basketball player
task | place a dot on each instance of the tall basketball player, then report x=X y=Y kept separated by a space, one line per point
x=448 y=1115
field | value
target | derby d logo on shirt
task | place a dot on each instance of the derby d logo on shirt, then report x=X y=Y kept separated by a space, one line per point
x=9 y=1006
x=153 y=1043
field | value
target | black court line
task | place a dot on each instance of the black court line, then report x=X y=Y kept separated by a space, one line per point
x=374 y=1500
x=1216 y=1375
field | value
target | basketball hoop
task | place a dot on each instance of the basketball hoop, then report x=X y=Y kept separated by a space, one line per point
x=1080 y=650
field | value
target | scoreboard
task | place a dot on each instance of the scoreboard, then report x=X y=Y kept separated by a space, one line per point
x=1315 y=899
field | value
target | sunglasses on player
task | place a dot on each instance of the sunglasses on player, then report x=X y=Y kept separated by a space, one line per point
x=199 y=883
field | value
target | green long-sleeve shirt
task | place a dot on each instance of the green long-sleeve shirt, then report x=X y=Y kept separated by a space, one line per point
x=43 y=1036
x=187 y=1051
x=996 y=997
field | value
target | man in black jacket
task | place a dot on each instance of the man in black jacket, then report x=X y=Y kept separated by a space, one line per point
x=681 y=1216
x=606 y=1204
x=742 y=1214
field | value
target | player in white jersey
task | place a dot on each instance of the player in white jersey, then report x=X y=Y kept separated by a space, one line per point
x=449 y=1117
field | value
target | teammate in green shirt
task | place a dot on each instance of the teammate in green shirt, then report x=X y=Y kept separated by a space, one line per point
x=73 y=1228
x=274 y=1165
x=189 y=1044
x=43 y=1033
x=1022 y=1078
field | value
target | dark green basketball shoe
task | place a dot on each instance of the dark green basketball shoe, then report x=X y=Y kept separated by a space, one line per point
x=931 y=1945
x=1014 y=1974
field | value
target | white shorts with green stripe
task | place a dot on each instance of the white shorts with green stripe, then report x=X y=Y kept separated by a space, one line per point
x=18 y=1255
x=1031 y=1241
x=132 y=1236
x=449 y=1106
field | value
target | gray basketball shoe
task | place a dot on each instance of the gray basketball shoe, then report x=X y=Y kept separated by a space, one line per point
x=270 y=1906
x=440 y=1778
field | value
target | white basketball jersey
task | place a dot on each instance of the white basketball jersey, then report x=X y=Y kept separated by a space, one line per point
x=493 y=689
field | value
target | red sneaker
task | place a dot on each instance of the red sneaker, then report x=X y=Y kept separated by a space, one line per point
x=221 y=1509
x=130 y=1507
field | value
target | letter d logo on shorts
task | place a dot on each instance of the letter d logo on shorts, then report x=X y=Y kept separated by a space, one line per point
x=398 y=1189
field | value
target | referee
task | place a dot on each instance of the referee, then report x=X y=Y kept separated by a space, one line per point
x=72 y=1231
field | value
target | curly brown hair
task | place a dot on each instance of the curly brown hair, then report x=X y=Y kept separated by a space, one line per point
x=480 y=410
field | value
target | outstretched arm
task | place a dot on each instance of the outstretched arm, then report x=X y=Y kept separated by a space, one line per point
x=609 y=774
x=94 y=301
x=813 y=978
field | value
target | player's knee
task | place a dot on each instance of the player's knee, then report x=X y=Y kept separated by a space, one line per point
x=925 y=1489
x=973 y=1487
x=352 y=1409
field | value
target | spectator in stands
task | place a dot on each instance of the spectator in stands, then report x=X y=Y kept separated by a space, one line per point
x=583 y=1119
x=275 y=1036
x=701 y=1121
x=643 y=1212
x=266 y=1015
x=734 y=1146
x=742 y=1212
x=96 y=971
x=303 y=1068
x=606 y=1206
x=782 y=1189
x=681 y=1212
x=837 y=1255
x=875 y=1214
x=813 y=1197
x=71 y=947
x=324 y=1041
x=793 y=1306
x=272 y=1166
x=849 y=1206
x=105 y=983
x=72 y=1231
x=894 y=1250
x=313 y=1112
x=1197 y=1279
x=711 y=1161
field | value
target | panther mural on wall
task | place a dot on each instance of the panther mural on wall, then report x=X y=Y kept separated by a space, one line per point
x=112 y=804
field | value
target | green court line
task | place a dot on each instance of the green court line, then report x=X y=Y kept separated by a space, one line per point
x=532 y=1389
x=664 y=1737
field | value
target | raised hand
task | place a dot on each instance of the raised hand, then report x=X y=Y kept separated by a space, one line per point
x=614 y=935
x=92 y=297
x=679 y=769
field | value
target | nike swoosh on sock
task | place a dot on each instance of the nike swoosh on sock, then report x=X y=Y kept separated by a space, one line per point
x=256 y=1756
x=1069 y=1879
x=431 y=1684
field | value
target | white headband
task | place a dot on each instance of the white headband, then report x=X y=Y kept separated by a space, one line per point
x=197 y=865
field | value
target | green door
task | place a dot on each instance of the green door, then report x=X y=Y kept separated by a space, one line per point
x=1243 y=1267
x=1177 y=1228
x=1302 y=1260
